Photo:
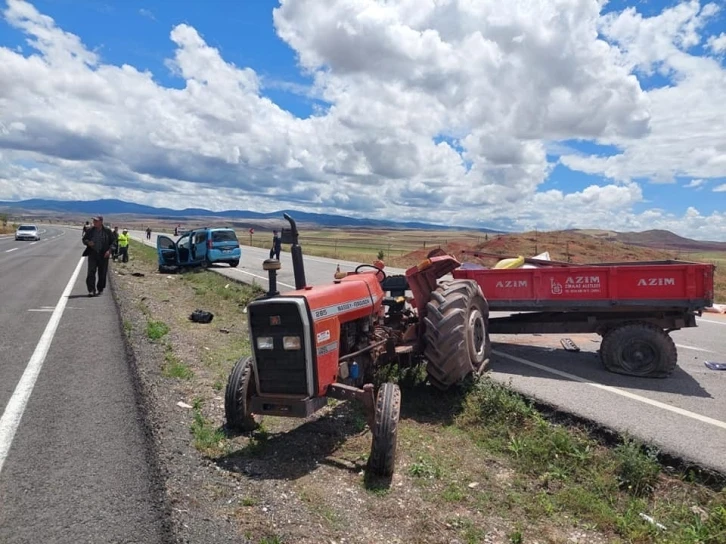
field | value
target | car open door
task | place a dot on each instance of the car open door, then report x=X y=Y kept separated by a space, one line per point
x=168 y=251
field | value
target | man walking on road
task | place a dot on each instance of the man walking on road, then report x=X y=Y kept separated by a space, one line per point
x=123 y=246
x=100 y=243
x=276 y=245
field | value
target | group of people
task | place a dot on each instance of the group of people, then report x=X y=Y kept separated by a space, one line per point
x=101 y=244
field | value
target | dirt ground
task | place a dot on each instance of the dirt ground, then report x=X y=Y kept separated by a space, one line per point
x=298 y=481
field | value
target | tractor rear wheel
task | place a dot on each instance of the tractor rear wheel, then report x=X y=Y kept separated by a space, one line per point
x=457 y=332
x=382 y=459
x=238 y=397
x=639 y=349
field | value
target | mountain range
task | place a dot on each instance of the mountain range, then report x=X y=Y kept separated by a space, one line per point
x=118 y=207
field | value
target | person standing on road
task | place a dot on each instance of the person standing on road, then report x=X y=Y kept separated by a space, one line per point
x=148 y=233
x=276 y=245
x=100 y=243
x=85 y=228
x=123 y=246
x=114 y=255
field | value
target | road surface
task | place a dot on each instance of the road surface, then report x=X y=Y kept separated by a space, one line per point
x=685 y=414
x=74 y=461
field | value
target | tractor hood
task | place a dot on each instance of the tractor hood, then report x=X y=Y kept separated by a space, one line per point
x=423 y=278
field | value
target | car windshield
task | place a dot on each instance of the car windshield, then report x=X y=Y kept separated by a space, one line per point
x=223 y=236
x=26 y=227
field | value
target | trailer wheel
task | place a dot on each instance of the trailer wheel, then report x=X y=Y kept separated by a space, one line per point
x=639 y=349
x=382 y=459
x=238 y=396
x=457 y=332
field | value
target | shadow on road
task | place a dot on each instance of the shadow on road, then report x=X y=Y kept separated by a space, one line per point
x=587 y=365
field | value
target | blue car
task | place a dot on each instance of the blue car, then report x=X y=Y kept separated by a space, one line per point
x=199 y=247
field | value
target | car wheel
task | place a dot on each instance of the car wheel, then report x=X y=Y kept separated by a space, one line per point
x=234 y=264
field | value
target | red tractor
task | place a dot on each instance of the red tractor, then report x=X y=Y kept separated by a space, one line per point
x=328 y=341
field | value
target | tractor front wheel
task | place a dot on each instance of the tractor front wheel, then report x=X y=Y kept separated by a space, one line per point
x=382 y=459
x=238 y=397
x=457 y=332
x=639 y=349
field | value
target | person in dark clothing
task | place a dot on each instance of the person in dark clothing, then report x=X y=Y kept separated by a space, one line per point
x=276 y=245
x=114 y=253
x=100 y=244
x=85 y=228
x=148 y=233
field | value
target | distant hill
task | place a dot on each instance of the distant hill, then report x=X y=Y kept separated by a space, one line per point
x=664 y=239
x=119 y=207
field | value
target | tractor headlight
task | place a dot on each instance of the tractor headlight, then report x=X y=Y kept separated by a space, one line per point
x=291 y=342
x=264 y=342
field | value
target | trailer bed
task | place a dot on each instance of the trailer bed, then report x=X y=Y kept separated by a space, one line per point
x=656 y=285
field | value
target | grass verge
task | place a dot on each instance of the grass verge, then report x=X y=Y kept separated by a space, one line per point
x=475 y=462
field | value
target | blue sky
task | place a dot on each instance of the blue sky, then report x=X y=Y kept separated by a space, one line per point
x=351 y=114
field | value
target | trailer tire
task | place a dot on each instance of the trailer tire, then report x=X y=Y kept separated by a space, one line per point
x=456 y=332
x=382 y=459
x=238 y=396
x=639 y=349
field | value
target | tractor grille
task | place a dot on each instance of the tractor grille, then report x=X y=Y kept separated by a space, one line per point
x=280 y=371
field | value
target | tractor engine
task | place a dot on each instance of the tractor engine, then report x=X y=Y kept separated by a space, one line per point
x=307 y=339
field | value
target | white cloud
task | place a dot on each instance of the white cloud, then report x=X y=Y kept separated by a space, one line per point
x=720 y=189
x=147 y=13
x=717 y=44
x=695 y=183
x=686 y=137
x=503 y=81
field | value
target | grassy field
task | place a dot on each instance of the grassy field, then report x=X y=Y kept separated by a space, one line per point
x=478 y=464
x=407 y=248
x=719 y=259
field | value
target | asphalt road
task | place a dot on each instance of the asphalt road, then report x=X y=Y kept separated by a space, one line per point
x=75 y=465
x=684 y=415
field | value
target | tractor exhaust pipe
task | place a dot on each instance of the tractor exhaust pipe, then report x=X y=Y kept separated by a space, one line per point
x=296 y=251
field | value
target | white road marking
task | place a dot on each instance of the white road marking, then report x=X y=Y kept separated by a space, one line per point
x=262 y=277
x=9 y=250
x=711 y=321
x=615 y=390
x=33 y=243
x=16 y=406
x=695 y=348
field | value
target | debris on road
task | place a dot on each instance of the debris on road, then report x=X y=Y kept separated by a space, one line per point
x=715 y=366
x=650 y=520
x=182 y=404
x=200 y=316
x=569 y=345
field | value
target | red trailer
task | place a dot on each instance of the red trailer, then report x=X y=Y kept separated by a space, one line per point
x=632 y=305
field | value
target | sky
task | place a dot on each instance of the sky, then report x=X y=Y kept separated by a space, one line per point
x=546 y=114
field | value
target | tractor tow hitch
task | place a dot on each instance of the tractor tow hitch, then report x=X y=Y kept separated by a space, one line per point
x=365 y=396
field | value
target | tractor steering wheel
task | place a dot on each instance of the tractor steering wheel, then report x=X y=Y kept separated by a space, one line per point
x=374 y=267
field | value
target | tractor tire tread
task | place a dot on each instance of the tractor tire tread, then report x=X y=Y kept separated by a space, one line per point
x=382 y=459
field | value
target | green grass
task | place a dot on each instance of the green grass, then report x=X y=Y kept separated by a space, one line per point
x=208 y=439
x=156 y=330
x=606 y=488
x=175 y=367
